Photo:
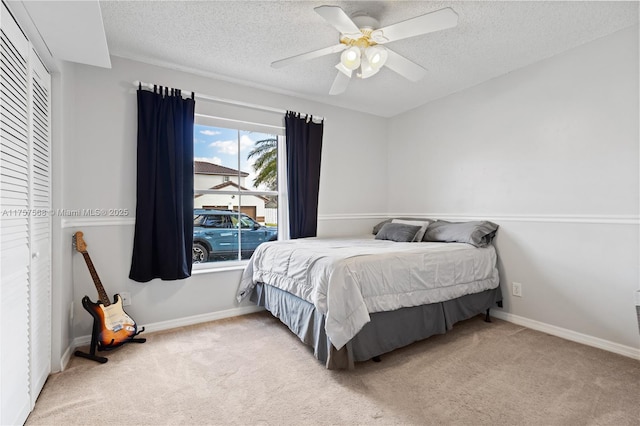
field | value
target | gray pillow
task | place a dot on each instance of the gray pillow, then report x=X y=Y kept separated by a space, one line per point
x=379 y=226
x=398 y=232
x=477 y=233
x=423 y=224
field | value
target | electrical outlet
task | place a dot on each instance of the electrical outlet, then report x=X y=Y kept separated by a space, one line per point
x=516 y=289
x=126 y=299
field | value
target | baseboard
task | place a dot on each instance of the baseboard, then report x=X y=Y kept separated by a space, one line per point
x=564 y=333
x=66 y=356
x=506 y=316
x=197 y=319
x=175 y=323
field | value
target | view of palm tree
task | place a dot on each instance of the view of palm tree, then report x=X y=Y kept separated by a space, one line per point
x=265 y=153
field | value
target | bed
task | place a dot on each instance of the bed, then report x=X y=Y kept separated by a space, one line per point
x=354 y=299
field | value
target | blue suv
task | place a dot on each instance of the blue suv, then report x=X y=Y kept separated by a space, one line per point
x=215 y=235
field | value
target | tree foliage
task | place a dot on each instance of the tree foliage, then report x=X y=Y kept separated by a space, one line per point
x=265 y=153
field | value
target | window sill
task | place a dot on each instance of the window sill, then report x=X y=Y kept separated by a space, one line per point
x=239 y=266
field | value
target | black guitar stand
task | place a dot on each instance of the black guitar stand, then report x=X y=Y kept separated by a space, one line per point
x=94 y=344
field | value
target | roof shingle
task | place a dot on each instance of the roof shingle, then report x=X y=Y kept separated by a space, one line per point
x=205 y=168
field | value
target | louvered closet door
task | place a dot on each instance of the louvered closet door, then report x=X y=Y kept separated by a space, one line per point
x=40 y=228
x=14 y=223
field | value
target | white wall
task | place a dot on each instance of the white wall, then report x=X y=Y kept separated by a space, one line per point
x=549 y=152
x=96 y=157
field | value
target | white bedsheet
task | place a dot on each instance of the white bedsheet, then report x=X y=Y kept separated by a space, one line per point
x=346 y=279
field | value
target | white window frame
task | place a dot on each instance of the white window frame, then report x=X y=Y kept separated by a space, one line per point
x=281 y=193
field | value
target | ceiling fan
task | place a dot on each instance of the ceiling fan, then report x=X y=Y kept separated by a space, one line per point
x=361 y=40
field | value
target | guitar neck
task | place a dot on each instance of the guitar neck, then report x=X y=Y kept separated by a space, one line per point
x=102 y=295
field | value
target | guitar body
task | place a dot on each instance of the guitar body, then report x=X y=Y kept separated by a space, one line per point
x=113 y=327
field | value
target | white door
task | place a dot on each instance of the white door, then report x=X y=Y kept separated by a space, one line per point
x=14 y=223
x=25 y=224
x=40 y=229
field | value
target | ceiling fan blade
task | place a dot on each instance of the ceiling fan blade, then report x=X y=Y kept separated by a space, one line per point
x=404 y=67
x=309 y=55
x=431 y=22
x=339 y=84
x=338 y=19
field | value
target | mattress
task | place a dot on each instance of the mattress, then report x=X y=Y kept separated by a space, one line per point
x=346 y=280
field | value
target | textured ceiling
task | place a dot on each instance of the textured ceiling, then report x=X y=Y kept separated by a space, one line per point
x=238 y=40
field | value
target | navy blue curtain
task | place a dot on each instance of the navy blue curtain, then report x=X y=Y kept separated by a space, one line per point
x=163 y=239
x=304 y=149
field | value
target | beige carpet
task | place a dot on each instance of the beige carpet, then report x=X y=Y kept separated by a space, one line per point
x=253 y=370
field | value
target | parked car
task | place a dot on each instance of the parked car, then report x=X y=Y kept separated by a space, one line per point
x=217 y=234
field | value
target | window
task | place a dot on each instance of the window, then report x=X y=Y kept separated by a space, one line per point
x=236 y=190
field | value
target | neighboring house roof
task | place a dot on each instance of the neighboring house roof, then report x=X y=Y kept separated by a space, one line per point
x=271 y=203
x=204 y=168
x=242 y=188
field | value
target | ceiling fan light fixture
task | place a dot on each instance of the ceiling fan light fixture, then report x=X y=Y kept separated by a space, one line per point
x=350 y=58
x=376 y=56
x=366 y=70
x=346 y=71
x=360 y=40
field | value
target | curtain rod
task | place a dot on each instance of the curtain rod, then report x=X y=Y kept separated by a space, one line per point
x=223 y=100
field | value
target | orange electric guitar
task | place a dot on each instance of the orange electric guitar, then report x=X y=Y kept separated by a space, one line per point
x=112 y=327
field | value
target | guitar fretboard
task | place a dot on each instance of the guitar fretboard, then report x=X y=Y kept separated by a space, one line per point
x=102 y=295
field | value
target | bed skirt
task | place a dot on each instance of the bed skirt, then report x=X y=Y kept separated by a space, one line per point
x=385 y=332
